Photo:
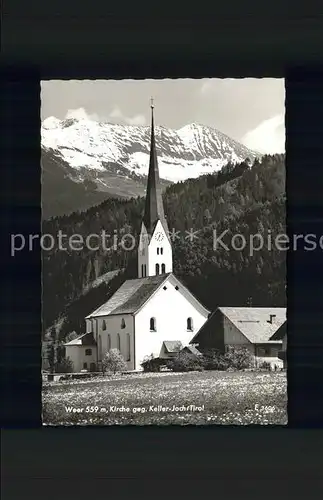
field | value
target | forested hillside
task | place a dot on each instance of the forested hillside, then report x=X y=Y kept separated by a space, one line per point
x=243 y=199
x=61 y=195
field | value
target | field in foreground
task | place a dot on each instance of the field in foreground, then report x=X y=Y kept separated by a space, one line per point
x=196 y=398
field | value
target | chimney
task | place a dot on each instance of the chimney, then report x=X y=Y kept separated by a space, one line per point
x=271 y=318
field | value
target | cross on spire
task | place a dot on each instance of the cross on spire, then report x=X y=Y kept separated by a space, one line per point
x=152 y=102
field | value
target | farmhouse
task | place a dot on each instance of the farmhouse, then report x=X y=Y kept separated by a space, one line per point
x=147 y=315
x=250 y=327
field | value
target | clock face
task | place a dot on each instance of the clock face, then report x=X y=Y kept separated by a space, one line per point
x=159 y=236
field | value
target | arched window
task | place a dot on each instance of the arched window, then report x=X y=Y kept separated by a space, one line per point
x=152 y=324
x=145 y=270
x=128 y=347
x=109 y=341
x=100 y=348
x=123 y=323
x=189 y=324
x=157 y=268
x=161 y=251
x=84 y=366
x=157 y=250
x=163 y=271
x=142 y=270
x=118 y=342
x=104 y=325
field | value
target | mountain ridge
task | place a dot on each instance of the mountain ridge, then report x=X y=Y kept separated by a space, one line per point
x=113 y=159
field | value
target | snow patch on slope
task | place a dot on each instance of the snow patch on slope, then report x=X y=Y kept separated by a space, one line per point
x=189 y=152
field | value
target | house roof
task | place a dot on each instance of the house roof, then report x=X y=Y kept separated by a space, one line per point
x=133 y=294
x=83 y=340
x=252 y=322
x=130 y=296
x=173 y=345
x=280 y=333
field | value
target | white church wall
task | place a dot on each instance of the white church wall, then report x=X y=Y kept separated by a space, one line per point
x=171 y=310
x=164 y=246
x=158 y=251
x=113 y=328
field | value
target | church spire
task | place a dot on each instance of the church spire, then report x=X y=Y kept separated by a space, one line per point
x=154 y=209
x=155 y=249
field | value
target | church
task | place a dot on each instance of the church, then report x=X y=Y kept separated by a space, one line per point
x=147 y=313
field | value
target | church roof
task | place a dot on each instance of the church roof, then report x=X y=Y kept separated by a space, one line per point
x=84 y=339
x=133 y=294
x=154 y=209
x=130 y=296
x=252 y=322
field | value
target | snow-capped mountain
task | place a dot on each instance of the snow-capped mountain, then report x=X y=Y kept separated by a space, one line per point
x=116 y=157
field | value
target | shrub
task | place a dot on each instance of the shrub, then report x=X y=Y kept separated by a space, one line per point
x=265 y=365
x=214 y=360
x=151 y=364
x=235 y=358
x=185 y=362
x=238 y=358
x=64 y=366
x=113 y=361
x=66 y=377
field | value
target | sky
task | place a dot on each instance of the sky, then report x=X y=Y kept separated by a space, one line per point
x=250 y=110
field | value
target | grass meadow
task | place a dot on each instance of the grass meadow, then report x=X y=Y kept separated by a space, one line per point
x=193 y=398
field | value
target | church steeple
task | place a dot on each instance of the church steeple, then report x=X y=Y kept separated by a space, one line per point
x=155 y=249
x=154 y=209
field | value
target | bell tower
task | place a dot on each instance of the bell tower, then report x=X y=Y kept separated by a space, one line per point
x=155 y=250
